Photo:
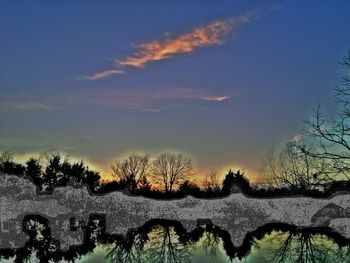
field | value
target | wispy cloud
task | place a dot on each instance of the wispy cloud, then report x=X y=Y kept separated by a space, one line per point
x=104 y=74
x=25 y=106
x=206 y=35
x=150 y=100
x=215 y=98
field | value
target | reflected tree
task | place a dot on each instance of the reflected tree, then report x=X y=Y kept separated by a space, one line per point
x=159 y=244
x=210 y=243
x=302 y=246
x=121 y=252
x=165 y=246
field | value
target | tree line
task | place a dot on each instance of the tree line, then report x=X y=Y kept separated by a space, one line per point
x=168 y=175
x=50 y=171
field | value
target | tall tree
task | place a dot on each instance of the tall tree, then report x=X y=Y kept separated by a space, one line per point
x=54 y=174
x=332 y=136
x=133 y=170
x=211 y=181
x=170 y=170
x=34 y=170
x=292 y=168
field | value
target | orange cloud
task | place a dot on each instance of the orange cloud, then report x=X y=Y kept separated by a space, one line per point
x=207 y=35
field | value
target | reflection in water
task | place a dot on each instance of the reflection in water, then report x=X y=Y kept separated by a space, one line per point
x=162 y=244
x=298 y=247
x=168 y=242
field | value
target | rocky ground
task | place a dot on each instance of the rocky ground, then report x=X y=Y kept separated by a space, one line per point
x=237 y=214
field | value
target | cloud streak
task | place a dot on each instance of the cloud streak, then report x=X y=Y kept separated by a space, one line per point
x=25 y=106
x=150 y=100
x=211 y=34
x=104 y=74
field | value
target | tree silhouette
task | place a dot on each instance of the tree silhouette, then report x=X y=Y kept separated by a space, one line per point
x=8 y=166
x=54 y=174
x=76 y=170
x=169 y=170
x=58 y=173
x=292 y=168
x=234 y=179
x=91 y=178
x=34 y=170
x=211 y=181
x=332 y=137
x=132 y=171
x=188 y=187
x=228 y=182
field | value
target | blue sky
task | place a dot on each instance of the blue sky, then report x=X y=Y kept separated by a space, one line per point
x=227 y=90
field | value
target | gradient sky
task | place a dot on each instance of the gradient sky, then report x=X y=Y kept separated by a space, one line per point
x=221 y=81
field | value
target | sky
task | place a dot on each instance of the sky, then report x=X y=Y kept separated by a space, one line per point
x=220 y=81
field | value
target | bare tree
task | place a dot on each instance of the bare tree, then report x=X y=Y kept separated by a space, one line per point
x=121 y=252
x=6 y=157
x=333 y=135
x=171 y=169
x=290 y=167
x=211 y=181
x=210 y=243
x=133 y=170
x=301 y=246
x=165 y=246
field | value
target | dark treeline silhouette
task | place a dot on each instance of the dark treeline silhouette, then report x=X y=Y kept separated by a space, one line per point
x=172 y=174
x=169 y=241
x=52 y=172
x=8 y=166
x=136 y=178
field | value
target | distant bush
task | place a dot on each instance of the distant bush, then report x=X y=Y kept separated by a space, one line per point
x=235 y=179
